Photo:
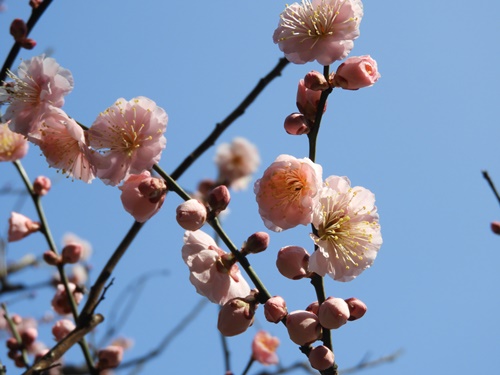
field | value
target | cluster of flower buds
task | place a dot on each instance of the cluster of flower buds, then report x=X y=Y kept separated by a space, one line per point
x=28 y=333
x=71 y=254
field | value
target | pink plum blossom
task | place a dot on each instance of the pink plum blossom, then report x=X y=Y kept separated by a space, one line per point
x=287 y=192
x=349 y=238
x=63 y=143
x=70 y=238
x=357 y=72
x=321 y=30
x=13 y=146
x=109 y=357
x=60 y=302
x=211 y=271
x=307 y=102
x=264 y=348
x=130 y=136
x=61 y=328
x=237 y=161
x=21 y=226
x=143 y=195
x=40 y=81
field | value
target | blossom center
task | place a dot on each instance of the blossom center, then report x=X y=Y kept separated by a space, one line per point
x=25 y=90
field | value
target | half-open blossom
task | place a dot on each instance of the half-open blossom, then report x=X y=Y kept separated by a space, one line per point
x=356 y=72
x=130 y=136
x=13 y=146
x=264 y=348
x=321 y=30
x=237 y=161
x=211 y=272
x=21 y=226
x=63 y=143
x=346 y=221
x=287 y=192
x=40 y=81
x=143 y=195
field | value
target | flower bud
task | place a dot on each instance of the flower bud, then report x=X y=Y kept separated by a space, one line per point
x=307 y=101
x=218 y=199
x=333 y=313
x=62 y=328
x=191 y=215
x=357 y=308
x=315 y=81
x=321 y=358
x=41 y=185
x=109 y=357
x=236 y=316
x=20 y=226
x=256 y=243
x=495 y=227
x=313 y=307
x=18 y=29
x=71 y=253
x=292 y=262
x=303 y=327
x=51 y=258
x=356 y=72
x=28 y=336
x=275 y=309
x=296 y=124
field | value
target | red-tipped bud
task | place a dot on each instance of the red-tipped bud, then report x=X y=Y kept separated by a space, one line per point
x=219 y=198
x=495 y=227
x=275 y=309
x=357 y=308
x=18 y=29
x=256 y=243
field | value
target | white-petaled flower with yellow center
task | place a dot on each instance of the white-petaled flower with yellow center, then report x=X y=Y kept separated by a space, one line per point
x=321 y=30
x=348 y=230
x=130 y=136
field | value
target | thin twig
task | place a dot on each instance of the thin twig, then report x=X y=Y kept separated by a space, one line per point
x=492 y=185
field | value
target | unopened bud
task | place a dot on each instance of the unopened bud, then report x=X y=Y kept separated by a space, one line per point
x=41 y=185
x=292 y=262
x=495 y=227
x=51 y=258
x=303 y=327
x=219 y=198
x=313 y=307
x=28 y=336
x=191 y=215
x=18 y=29
x=296 y=124
x=109 y=357
x=62 y=328
x=236 y=316
x=275 y=309
x=316 y=81
x=321 y=358
x=333 y=313
x=256 y=243
x=72 y=253
x=357 y=308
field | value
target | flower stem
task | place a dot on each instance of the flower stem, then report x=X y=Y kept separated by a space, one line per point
x=249 y=364
x=492 y=185
x=16 y=335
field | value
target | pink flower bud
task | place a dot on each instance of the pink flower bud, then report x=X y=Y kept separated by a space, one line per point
x=315 y=81
x=275 y=309
x=235 y=317
x=357 y=308
x=12 y=344
x=62 y=328
x=307 y=101
x=313 y=307
x=42 y=185
x=218 y=199
x=495 y=227
x=143 y=195
x=321 y=358
x=296 y=124
x=191 y=215
x=256 y=243
x=292 y=262
x=18 y=29
x=205 y=187
x=264 y=348
x=72 y=253
x=60 y=302
x=109 y=357
x=333 y=313
x=20 y=226
x=356 y=72
x=303 y=327
x=51 y=258
x=28 y=336
x=35 y=3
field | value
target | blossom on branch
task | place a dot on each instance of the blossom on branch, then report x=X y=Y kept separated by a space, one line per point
x=21 y=226
x=264 y=348
x=321 y=30
x=129 y=134
x=356 y=72
x=348 y=231
x=213 y=272
x=40 y=81
x=13 y=146
x=287 y=192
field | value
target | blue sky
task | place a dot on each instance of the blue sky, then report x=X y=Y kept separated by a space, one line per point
x=418 y=139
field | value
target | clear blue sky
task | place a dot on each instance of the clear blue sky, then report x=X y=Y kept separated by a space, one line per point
x=418 y=139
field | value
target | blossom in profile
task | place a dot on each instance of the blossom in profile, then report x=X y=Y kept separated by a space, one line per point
x=356 y=72
x=130 y=136
x=63 y=143
x=213 y=273
x=287 y=192
x=109 y=357
x=347 y=224
x=321 y=30
x=237 y=161
x=21 y=226
x=143 y=195
x=236 y=315
x=264 y=348
x=13 y=146
x=307 y=102
x=40 y=81
x=71 y=238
